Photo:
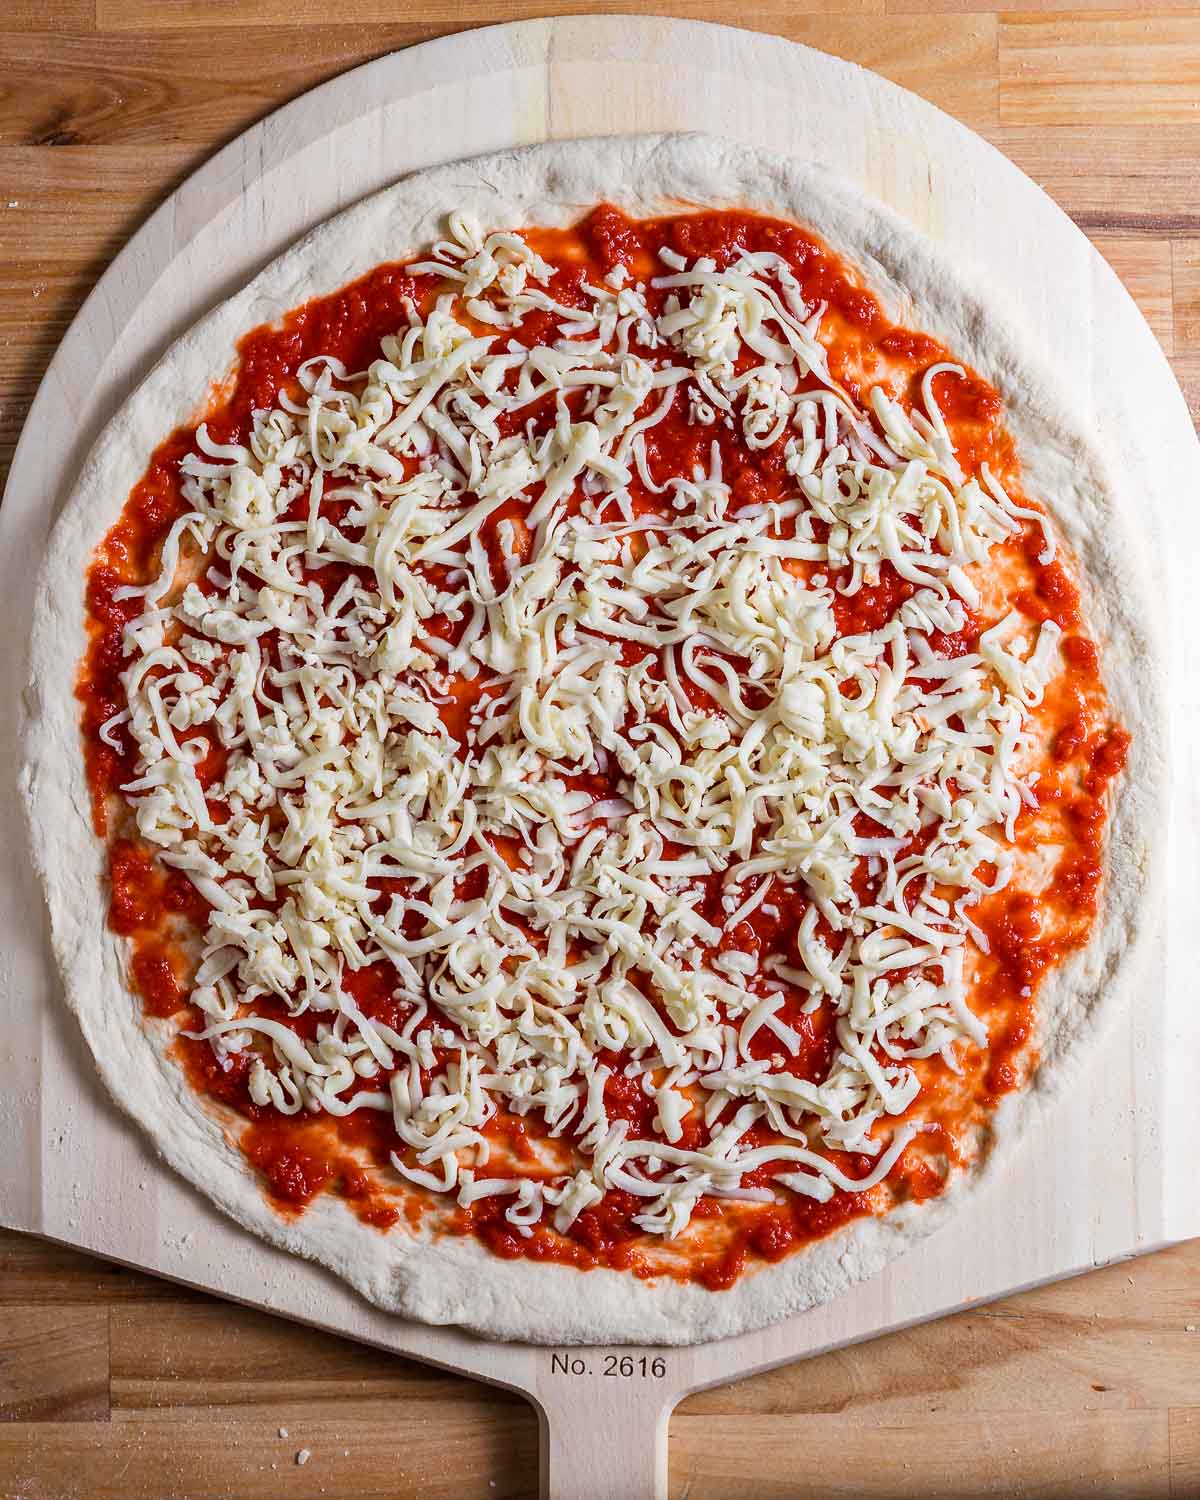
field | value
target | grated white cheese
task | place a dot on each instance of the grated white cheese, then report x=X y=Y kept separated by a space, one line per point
x=641 y=633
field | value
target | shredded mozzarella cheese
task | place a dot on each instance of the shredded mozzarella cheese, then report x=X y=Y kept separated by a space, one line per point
x=681 y=653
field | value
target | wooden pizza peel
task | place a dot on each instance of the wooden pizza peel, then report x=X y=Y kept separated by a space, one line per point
x=1105 y=1172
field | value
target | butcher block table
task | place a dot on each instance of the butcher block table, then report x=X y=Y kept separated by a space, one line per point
x=114 y=1384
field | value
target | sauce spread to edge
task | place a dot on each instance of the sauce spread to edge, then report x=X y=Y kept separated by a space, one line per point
x=1027 y=934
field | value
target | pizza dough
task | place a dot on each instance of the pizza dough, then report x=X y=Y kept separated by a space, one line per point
x=456 y=1280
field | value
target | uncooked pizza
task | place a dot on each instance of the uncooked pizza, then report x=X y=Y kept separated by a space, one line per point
x=587 y=743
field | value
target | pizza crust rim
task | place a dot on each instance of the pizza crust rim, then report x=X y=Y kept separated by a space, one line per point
x=456 y=1280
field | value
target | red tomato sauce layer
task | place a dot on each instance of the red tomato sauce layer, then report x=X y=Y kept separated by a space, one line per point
x=1027 y=933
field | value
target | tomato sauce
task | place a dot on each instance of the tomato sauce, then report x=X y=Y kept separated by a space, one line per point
x=300 y=1157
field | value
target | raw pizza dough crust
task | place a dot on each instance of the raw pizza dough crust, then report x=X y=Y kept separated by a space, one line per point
x=455 y=1280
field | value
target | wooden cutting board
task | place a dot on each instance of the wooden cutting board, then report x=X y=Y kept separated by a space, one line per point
x=1102 y=1176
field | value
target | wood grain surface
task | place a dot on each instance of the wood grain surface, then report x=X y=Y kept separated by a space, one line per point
x=116 y=1385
